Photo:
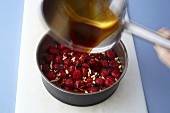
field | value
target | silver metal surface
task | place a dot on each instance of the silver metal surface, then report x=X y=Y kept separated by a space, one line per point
x=147 y=34
x=59 y=22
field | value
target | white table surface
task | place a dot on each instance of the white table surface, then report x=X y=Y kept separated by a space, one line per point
x=32 y=97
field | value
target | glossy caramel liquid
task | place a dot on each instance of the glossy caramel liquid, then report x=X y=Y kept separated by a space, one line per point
x=90 y=21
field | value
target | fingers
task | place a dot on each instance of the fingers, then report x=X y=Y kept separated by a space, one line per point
x=164 y=32
x=163 y=53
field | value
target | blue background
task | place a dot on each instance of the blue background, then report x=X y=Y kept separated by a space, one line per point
x=11 y=13
x=155 y=76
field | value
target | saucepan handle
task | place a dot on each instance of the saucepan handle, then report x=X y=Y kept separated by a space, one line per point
x=147 y=34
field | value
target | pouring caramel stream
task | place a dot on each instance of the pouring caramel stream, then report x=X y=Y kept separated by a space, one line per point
x=84 y=22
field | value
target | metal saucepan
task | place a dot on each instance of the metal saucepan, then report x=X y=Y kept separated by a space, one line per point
x=79 y=99
x=59 y=23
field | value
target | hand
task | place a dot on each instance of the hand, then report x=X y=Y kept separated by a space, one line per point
x=163 y=53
